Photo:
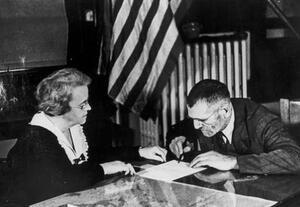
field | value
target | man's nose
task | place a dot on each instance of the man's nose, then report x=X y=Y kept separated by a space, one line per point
x=88 y=108
x=198 y=124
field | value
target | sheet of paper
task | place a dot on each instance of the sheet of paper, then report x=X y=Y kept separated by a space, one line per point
x=169 y=171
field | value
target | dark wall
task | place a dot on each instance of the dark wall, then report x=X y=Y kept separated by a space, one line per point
x=274 y=62
x=20 y=87
x=83 y=52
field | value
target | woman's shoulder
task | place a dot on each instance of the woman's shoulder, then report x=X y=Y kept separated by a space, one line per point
x=37 y=136
x=33 y=131
x=35 y=140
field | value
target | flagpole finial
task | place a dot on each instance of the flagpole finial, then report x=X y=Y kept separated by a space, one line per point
x=191 y=30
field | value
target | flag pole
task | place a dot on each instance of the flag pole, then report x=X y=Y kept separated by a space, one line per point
x=282 y=16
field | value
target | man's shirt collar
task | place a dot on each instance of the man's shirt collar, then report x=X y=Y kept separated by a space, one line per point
x=229 y=129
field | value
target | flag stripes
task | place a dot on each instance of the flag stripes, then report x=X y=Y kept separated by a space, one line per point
x=135 y=53
x=171 y=62
x=157 y=57
x=145 y=47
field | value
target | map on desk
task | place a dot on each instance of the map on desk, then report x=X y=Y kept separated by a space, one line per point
x=169 y=171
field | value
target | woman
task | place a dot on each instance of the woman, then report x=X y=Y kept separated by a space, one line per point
x=53 y=156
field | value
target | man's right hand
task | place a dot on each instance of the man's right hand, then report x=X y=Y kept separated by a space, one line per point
x=176 y=146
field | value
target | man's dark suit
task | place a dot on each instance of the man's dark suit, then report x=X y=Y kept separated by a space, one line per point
x=260 y=142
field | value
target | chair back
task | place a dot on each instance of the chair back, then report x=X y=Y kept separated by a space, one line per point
x=290 y=111
x=5 y=146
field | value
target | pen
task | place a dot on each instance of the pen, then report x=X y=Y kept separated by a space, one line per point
x=180 y=158
x=181 y=155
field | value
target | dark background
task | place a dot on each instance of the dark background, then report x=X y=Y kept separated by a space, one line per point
x=275 y=62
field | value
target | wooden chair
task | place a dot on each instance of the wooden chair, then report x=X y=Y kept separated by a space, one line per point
x=5 y=146
x=288 y=110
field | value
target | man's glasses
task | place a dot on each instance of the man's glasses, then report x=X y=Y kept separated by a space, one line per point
x=82 y=106
x=208 y=121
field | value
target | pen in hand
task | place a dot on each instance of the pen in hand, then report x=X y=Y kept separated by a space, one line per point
x=184 y=144
x=180 y=158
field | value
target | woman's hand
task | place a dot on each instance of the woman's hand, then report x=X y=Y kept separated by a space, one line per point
x=117 y=166
x=153 y=153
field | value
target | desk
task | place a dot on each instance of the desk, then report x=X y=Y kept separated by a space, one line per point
x=206 y=188
x=271 y=187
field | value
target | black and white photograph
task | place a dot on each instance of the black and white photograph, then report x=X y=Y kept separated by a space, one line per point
x=139 y=103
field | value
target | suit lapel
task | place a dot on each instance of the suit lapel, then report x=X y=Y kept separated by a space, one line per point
x=240 y=133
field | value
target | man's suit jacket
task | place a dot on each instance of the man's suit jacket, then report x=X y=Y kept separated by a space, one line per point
x=260 y=142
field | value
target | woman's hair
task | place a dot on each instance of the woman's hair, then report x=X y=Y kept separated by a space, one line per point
x=54 y=92
x=210 y=91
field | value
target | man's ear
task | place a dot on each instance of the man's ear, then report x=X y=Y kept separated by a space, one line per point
x=225 y=110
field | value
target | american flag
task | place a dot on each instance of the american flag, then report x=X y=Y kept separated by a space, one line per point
x=145 y=45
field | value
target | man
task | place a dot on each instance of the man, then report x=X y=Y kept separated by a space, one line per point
x=227 y=134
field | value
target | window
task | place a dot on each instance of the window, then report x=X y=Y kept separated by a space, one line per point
x=33 y=33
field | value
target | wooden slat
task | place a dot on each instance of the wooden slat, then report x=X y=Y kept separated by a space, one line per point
x=237 y=75
x=222 y=76
x=189 y=72
x=229 y=68
x=165 y=104
x=173 y=98
x=244 y=68
x=198 y=73
x=294 y=111
x=213 y=62
x=205 y=61
x=285 y=110
x=181 y=87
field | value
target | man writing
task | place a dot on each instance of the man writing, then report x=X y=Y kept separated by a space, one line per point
x=227 y=134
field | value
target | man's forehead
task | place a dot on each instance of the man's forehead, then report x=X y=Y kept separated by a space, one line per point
x=201 y=109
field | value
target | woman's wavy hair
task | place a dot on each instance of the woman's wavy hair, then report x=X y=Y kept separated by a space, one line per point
x=54 y=92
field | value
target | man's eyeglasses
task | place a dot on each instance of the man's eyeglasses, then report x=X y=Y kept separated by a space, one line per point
x=82 y=106
x=208 y=121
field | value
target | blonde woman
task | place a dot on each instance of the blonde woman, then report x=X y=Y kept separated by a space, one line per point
x=53 y=157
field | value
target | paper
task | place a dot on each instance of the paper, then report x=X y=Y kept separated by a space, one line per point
x=169 y=171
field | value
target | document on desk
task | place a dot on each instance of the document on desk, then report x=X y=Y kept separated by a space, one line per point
x=169 y=171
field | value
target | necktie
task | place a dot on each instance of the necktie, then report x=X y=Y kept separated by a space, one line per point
x=221 y=142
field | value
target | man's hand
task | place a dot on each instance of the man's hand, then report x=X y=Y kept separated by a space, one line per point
x=215 y=160
x=117 y=166
x=217 y=177
x=153 y=153
x=176 y=146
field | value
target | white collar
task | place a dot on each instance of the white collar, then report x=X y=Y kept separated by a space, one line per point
x=229 y=128
x=79 y=139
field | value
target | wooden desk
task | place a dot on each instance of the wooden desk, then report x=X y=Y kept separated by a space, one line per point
x=207 y=188
x=270 y=187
